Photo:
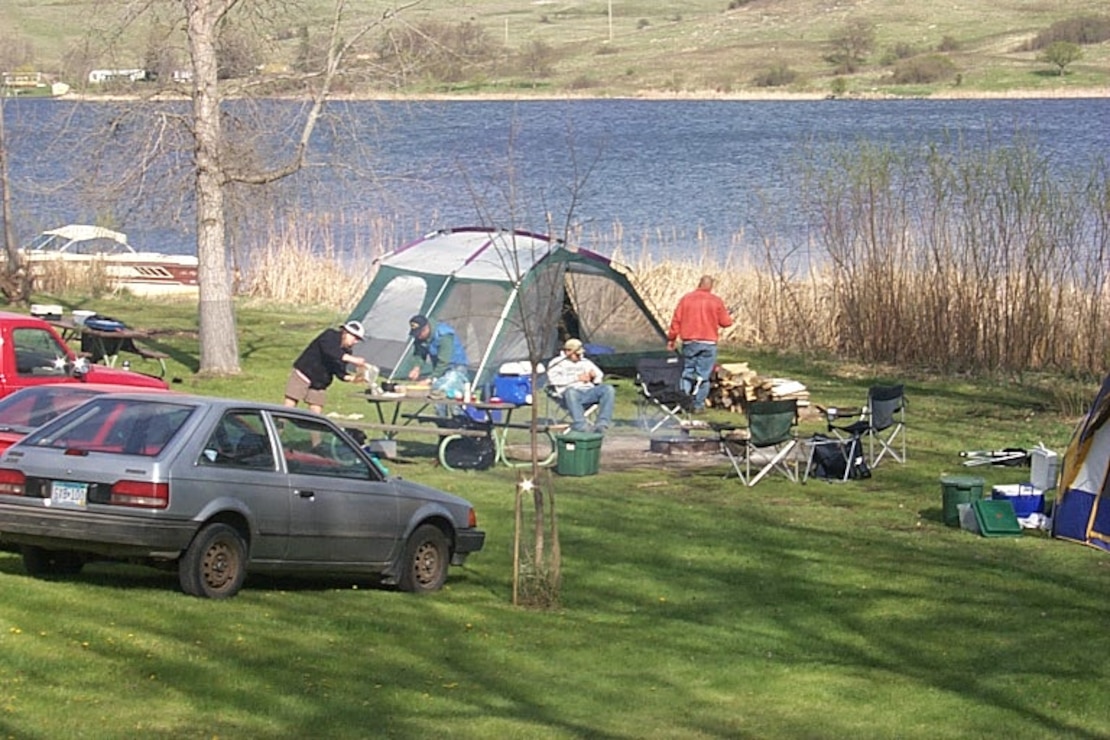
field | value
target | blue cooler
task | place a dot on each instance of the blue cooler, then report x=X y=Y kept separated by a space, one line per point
x=1026 y=498
x=515 y=389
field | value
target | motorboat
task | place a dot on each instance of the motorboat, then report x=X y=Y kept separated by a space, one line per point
x=140 y=273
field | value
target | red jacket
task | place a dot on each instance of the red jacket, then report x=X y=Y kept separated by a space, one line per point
x=698 y=317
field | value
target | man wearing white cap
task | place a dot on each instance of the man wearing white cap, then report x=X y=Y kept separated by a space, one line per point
x=577 y=383
x=326 y=357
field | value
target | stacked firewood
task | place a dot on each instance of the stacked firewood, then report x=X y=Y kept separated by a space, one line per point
x=735 y=384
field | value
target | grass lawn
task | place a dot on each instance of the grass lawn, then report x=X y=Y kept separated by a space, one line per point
x=691 y=607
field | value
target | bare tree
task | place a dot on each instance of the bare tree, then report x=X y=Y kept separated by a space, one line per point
x=13 y=286
x=215 y=172
x=537 y=553
x=851 y=44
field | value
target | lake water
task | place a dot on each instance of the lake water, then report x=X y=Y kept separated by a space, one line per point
x=674 y=175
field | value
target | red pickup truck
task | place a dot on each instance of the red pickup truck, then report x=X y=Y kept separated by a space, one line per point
x=32 y=353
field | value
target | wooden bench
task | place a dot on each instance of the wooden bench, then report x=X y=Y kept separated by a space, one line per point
x=149 y=354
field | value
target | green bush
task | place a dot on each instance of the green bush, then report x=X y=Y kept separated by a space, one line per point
x=776 y=75
x=948 y=43
x=901 y=50
x=932 y=68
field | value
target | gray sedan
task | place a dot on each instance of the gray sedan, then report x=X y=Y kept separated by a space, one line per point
x=216 y=487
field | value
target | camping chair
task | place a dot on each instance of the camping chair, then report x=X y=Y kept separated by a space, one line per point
x=882 y=421
x=662 y=395
x=771 y=432
x=555 y=409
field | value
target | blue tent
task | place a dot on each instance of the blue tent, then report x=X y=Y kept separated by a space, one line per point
x=1085 y=481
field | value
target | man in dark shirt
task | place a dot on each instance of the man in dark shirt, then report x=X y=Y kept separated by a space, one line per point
x=326 y=357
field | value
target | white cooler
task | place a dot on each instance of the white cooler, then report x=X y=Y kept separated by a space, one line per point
x=1044 y=468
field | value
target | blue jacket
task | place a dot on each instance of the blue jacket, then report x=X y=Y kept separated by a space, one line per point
x=441 y=340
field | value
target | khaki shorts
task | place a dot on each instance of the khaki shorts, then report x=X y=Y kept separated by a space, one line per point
x=297 y=389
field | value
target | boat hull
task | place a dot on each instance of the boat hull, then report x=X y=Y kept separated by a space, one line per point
x=140 y=274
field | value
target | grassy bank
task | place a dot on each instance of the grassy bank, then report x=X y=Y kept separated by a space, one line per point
x=691 y=607
x=595 y=48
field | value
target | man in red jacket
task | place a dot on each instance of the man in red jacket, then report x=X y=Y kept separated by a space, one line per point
x=698 y=319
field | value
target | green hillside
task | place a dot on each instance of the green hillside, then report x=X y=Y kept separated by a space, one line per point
x=598 y=47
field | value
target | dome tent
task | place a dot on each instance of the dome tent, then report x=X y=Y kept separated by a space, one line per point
x=510 y=296
x=1085 y=480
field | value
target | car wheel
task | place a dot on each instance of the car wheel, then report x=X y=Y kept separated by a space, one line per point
x=40 y=562
x=215 y=565
x=426 y=558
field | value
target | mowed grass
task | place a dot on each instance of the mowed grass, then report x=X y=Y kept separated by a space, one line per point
x=691 y=607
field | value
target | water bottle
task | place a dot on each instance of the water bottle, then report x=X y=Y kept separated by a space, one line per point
x=127 y=364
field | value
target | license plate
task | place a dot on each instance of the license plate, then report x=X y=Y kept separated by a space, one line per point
x=71 y=494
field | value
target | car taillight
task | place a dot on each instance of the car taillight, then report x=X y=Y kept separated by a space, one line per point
x=12 y=482
x=472 y=519
x=140 y=493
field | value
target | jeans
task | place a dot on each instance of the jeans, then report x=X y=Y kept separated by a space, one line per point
x=700 y=357
x=577 y=400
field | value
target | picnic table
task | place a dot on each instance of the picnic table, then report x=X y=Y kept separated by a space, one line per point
x=416 y=411
x=106 y=346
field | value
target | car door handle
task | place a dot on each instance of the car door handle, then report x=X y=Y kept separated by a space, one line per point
x=304 y=493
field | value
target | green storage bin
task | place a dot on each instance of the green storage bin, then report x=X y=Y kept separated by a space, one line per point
x=956 y=490
x=579 y=453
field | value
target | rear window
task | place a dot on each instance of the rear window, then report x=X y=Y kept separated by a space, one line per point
x=33 y=407
x=127 y=426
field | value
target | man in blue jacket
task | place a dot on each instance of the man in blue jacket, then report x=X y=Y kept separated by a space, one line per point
x=435 y=348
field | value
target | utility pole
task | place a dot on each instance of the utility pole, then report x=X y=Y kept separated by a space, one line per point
x=610 y=20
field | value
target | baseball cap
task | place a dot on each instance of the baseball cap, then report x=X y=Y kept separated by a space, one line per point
x=355 y=329
x=572 y=345
x=417 y=324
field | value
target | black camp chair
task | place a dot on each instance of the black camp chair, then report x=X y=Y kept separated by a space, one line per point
x=662 y=398
x=882 y=421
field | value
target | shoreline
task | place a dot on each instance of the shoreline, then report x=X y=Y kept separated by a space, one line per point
x=654 y=95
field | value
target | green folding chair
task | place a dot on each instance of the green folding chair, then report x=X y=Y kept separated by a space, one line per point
x=765 y=444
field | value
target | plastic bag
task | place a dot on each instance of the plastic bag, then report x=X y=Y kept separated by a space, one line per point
x=452 y=384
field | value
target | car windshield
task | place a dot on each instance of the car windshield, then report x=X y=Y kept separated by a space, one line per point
x=123 y=425
x=33 y=407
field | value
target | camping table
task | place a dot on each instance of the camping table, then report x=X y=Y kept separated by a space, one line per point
x=105 y=346
x=392 y=420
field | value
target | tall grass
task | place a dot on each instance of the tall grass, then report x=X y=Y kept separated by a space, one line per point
x=966 y=259
x=952 y=259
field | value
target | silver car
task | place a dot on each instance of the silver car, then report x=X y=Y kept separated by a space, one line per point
x=219 y=487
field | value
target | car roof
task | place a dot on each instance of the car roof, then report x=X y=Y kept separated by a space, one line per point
x=218 y=402
x=102 y=387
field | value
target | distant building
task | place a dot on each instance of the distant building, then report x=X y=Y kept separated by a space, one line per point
x=23 y=79
x=102 y=76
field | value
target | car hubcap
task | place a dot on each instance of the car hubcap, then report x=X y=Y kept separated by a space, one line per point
x=427 y=564
x=219 y=566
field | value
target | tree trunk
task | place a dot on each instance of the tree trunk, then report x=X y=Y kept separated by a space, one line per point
x=15 y=287
x=219 y=344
